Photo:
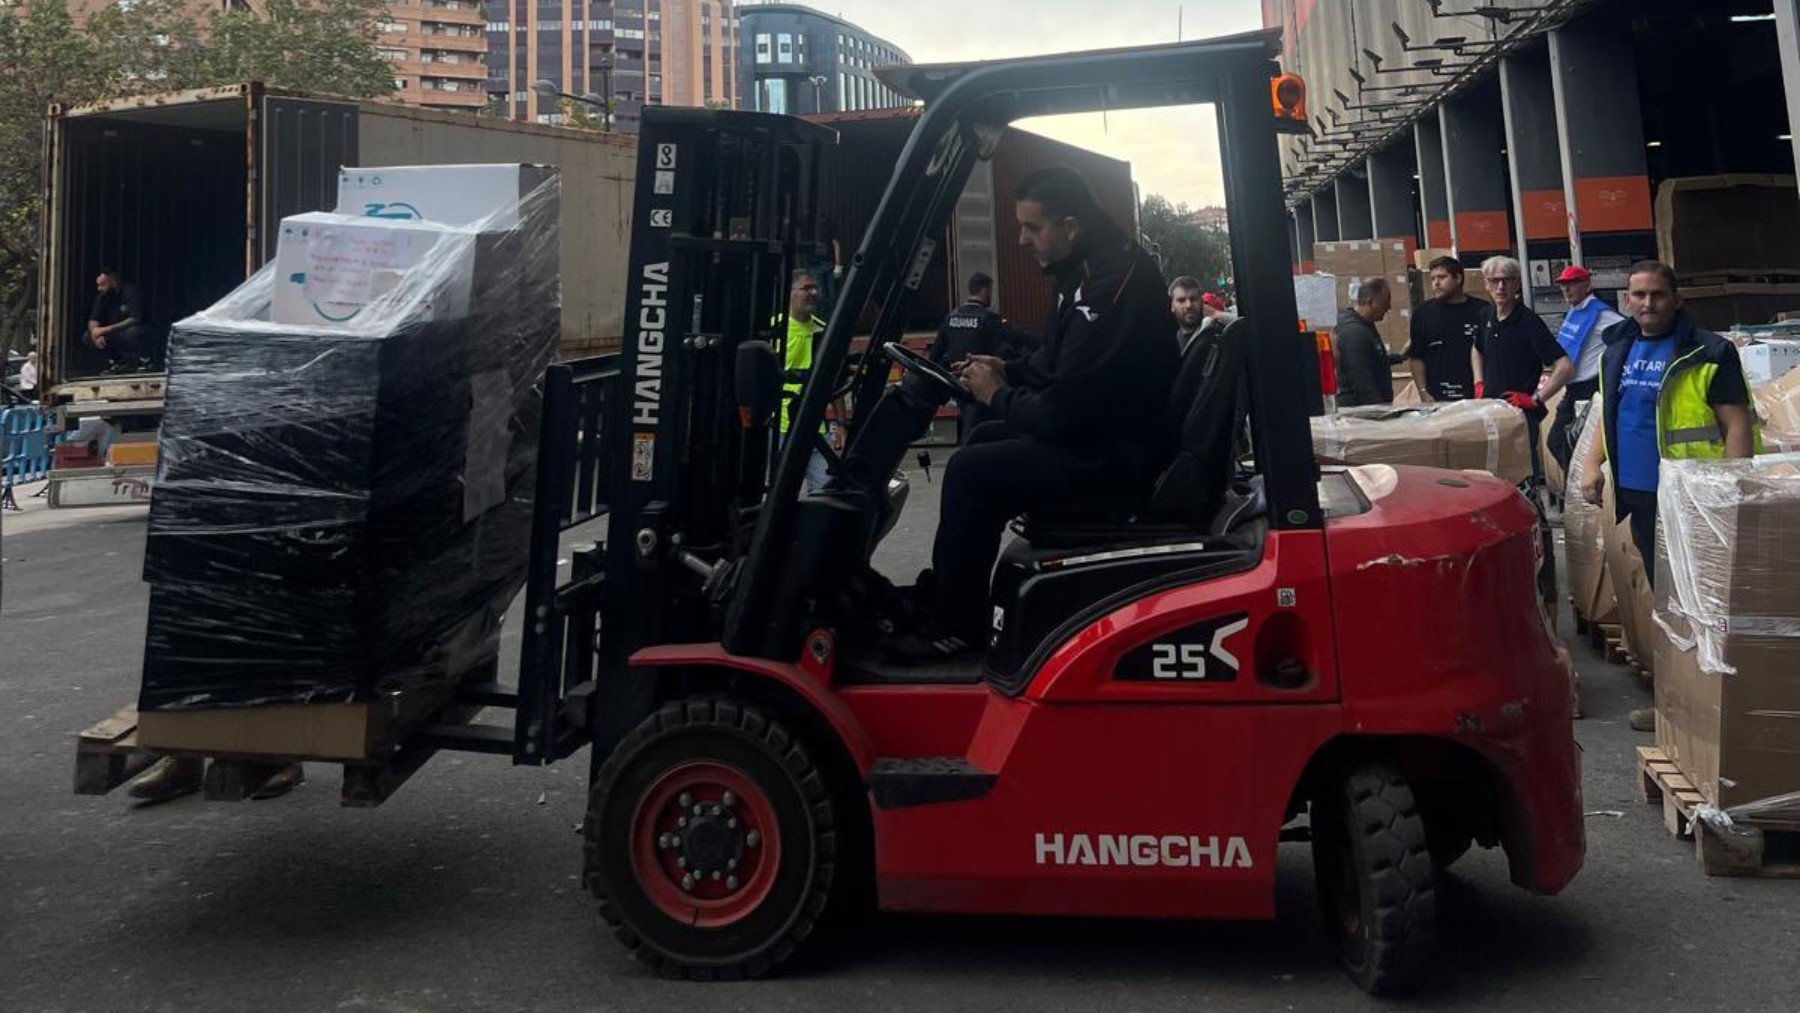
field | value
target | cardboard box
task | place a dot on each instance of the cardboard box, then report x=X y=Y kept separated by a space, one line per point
x=1728 y=707
x=1768 y=361
x=1553 y=471
x=329 y=268
x=1744 y=224
x=1631 y=584
x=1722 y=307
x=1584 y=540
x=1778 y=406
x=1486 y=436
x=311 y=731
x=446 y=194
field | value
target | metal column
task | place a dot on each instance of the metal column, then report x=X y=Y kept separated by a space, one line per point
x=1540 y=216
x=1303 y=226
x=1600 y=126
x=1434 y=200
x=1787 y=31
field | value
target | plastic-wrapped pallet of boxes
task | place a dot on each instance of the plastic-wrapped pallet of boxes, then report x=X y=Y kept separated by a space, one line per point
x=1482 y=435
x=344 y=496
x=1584 y=535
x=1728 y=679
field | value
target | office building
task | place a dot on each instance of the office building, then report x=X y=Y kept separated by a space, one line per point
x=801 y=61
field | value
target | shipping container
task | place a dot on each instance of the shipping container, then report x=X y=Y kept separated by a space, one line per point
x=984 y=233
x=182 y=192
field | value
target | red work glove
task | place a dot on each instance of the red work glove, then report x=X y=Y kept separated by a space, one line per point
x=1523 y=402
x=1480 y=389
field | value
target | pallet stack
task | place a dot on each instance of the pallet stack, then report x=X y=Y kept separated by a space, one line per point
x=1734 y=241
x=1727 y=647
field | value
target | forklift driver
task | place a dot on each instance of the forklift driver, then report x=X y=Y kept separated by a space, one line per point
x=1079 y=418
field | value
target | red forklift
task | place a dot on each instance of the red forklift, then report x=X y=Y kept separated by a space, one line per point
x=1171 y=690
x=1169 y=693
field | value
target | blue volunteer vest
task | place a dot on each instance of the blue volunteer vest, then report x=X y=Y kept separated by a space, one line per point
x=1576 y=326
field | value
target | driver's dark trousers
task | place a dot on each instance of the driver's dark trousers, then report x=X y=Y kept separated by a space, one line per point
x=997 y=476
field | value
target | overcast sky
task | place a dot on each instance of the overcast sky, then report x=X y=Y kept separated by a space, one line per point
x=1173 y=152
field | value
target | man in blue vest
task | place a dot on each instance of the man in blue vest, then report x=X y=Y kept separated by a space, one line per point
x=1581 y=339
x=1667 y=390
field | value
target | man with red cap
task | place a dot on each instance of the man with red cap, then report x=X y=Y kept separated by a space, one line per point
x=1581 y=338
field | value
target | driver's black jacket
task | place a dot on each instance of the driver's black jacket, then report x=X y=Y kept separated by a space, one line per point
x=1101 y=378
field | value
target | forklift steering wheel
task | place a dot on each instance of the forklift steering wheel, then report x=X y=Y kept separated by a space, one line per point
x=917 y=364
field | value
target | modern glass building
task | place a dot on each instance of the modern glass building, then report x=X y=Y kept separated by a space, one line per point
x=798 y=60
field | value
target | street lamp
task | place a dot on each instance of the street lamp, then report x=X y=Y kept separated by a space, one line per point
x=818 y=83
x=546 y=88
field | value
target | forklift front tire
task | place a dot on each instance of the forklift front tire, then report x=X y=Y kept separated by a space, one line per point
x=711 y=841
x=1376 y=879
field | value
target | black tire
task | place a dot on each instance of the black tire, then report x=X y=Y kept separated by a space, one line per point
x=776 y=763
x=1376 y=879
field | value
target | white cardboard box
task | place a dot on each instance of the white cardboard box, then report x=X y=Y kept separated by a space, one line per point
x=448 y=194
x=329 y=268
x=1767 y=361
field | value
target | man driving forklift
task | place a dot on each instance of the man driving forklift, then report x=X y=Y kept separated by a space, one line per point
x=1080 y=418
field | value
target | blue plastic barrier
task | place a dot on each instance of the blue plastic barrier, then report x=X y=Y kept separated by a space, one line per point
x=25 y=444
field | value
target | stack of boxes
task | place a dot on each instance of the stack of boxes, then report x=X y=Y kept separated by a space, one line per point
x=348 y=454
x=1488 y=436
x=1353 y=262
x=1727 y=695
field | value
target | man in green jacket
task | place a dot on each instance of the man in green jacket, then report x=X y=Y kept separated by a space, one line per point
x=797 y=359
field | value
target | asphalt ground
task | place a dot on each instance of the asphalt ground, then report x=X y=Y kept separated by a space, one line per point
x=461 y=892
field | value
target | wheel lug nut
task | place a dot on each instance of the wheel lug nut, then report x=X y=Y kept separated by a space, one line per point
x=752 y=839
x=662 y=841
x=685 y=799
x=699 y=811
x=731 y=863
x=717 y=875
x=730 y=799
x=681 y=863
x=731 y=824
x=687 y=882
x=682 y=822
x=731 y=883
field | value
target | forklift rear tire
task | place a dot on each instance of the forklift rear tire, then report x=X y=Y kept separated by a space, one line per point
x=711 y=841
x=1376 y=879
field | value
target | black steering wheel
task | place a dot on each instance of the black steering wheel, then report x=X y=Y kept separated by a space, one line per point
x=920 y=366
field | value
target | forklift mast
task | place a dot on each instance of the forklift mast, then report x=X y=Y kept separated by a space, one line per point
x=665 y=439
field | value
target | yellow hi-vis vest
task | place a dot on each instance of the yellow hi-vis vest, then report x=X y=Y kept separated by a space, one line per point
x=797 y=361
x=1687 y=428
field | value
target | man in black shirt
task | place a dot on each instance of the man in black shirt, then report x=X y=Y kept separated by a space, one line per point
x=1364 y=365
x=115 y=324
x=975 y=329
x=1515 y=347
x=1082 y=415
x=1444 y=330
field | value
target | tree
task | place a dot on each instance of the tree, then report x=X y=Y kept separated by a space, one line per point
x=149 y=46
x=1184 y=247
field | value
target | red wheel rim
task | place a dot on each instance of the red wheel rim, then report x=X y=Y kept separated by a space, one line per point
x=705 y=845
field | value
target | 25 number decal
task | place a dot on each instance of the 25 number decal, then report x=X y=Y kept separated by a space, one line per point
x=1178 y=661
x=1199 y=653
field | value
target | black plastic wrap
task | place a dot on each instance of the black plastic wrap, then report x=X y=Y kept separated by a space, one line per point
x=342 y=511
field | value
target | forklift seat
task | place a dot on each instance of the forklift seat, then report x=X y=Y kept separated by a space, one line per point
x=1194 y=492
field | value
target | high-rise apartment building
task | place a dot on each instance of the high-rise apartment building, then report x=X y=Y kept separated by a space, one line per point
x=638 y=52
x=438 y=49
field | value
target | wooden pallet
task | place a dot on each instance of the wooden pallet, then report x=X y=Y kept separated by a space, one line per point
x=1746 y=848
